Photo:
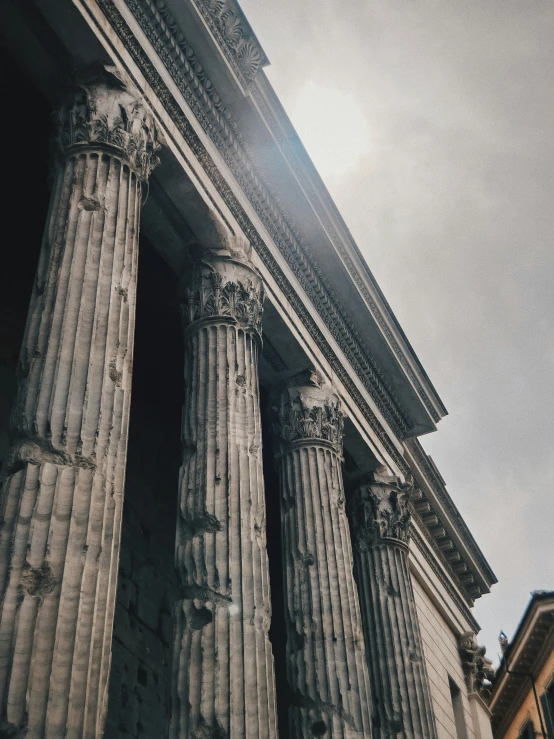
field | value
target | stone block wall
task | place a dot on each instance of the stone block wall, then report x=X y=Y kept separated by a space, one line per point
x=20 y=255
x=139 y=694
x=443 y=661
x=147 y=589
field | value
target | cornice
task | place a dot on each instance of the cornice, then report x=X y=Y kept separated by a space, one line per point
x=422 y=544
x=455 y=519
x=243 y=51
x=176 y=53
x=419 y=504
x=432 y=527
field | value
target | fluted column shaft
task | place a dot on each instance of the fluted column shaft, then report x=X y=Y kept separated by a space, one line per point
x=326 y=670
x=223 y=664
x=63 y=486
x=380 y=523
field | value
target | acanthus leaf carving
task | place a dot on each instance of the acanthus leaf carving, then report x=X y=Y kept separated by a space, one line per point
x=379 y=510
x=223 y=287
x=309 y=409
x=101 y=110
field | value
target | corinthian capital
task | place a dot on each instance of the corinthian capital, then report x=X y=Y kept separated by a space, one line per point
x=309 y=409
x=379 y=512
x=224 y=288
x=478 y=671
x=102 y=111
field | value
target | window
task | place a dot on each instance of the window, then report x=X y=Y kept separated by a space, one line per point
x=528 y=731
x=458 y=708
x=547 y=705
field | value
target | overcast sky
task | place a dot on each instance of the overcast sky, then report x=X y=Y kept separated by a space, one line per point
x=432 y=124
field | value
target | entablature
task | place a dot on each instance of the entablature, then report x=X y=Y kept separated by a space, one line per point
x=445 y=593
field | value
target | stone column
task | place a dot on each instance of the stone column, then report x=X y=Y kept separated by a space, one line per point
x=63 y=487
x=223 y=682
x=326 y=670
x=380 y=523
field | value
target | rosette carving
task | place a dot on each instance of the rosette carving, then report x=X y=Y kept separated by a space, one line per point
x=310 y=409
x=235 y=34
x=249 y=59
x=225 y=288
x=379 y=510
x=232 y=28
x=101 y=110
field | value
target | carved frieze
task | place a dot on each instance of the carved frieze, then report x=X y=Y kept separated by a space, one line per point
x=101 y=110
x=477 y=668
x=223 y=287
x=309 y=409
x=379 y=510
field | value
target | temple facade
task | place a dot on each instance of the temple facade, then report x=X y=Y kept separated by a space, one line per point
x=217 y=519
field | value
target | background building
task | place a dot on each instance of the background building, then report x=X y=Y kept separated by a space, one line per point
x=278 y=452
x=522 y=700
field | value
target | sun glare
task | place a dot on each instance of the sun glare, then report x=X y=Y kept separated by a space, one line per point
x=332 y=127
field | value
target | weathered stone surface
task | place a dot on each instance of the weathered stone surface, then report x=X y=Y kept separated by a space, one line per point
x=380 y=524
x=478 y=670
x=141 y=666
x=140 y=677
x=64 y=476
x=223 y=664
x=326 y=668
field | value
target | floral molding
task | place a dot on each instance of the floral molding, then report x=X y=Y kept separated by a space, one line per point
x=235 y=37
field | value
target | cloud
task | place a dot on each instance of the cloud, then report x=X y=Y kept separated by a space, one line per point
x=452 y=206
x=321 y=115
